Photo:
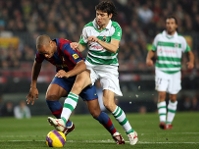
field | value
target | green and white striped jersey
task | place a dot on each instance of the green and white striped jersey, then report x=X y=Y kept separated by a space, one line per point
x=97 y=55
x=169 y=51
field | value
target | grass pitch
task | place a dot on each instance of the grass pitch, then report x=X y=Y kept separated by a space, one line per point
x=89 y=134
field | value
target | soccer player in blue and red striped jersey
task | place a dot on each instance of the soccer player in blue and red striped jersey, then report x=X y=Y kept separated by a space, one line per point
x=69 y=63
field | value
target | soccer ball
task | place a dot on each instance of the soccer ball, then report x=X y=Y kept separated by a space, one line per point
x=55 y=139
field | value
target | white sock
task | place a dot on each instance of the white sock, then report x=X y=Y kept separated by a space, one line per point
x=172 y=107
x=162 y=111
x=70 y=104
x=120 y=116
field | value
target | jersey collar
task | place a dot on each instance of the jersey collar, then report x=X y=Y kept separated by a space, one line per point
x=170 y=36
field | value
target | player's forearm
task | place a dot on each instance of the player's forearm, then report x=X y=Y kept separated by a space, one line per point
x=191 y=57
x=81 y=48
x=35 y=73
x=150 y=55
x=80 y=67
x=108 y=46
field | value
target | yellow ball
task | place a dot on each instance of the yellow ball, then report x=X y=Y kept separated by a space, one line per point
x=55 y=139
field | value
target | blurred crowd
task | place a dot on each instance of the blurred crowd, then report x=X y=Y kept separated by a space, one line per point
x=140 y=20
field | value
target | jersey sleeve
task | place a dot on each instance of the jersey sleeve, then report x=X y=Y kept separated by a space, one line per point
x=118 y=32
x=83 y=38
x=185 y=46
x=73 y=55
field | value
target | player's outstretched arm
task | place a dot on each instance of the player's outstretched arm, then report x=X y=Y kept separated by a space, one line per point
x=80 y=67
x=33 y=92
x=77 y=46
x=190 y=63
x=150 y=55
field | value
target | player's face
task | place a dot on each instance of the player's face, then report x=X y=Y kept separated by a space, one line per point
x=47 y=50
x=171 y=26
x=102 y=19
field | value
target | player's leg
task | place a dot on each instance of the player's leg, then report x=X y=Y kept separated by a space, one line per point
x=174 y=88
x=120 y=116
x=161 y=85
x=172 y=107
x=70 y=103
x=162 y=108
x=110 y=84
x=58 y=88
x=90 y=96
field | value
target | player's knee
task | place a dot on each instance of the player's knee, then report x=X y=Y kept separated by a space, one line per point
x=161 y=96
x=52 y=97
x=110 y=106
x=95 y=112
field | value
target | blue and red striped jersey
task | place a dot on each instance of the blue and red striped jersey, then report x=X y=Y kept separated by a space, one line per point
x=64 y=58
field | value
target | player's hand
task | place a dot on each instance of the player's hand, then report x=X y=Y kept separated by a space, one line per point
x=32 y=95
x=74 y=45
x=61 y=74
x=92 y=39
x=149 y=62
x=190 y=65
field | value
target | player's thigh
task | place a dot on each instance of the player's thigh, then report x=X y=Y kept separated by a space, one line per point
x=175 y=83
x=161 y=81
x=82 y=80
x=111 y=82
x=58 y=88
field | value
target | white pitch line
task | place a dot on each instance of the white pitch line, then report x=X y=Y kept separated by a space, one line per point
x=101 y=141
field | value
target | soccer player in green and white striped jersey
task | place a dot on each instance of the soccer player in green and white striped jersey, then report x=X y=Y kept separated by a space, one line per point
x=168 y=47
x=102 y=37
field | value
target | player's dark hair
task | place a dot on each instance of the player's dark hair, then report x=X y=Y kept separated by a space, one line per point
x=107 y=7
x=172 y=17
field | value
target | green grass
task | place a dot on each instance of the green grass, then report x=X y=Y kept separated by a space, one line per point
x=31 y=133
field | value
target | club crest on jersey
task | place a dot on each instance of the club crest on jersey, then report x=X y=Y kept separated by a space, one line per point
x=104 y=38
x=176 y=45
x=75 y=56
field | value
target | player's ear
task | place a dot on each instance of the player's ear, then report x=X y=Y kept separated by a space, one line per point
x=51 y=43
x=110 y=15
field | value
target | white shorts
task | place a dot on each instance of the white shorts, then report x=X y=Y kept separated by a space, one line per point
x=108 y=75
x=171 y=83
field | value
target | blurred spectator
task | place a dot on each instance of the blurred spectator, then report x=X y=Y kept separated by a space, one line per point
x=187 y=103
x=1 y=104
x=195 y=103
x=22 y=110
x=8 y=109
x=140 y=21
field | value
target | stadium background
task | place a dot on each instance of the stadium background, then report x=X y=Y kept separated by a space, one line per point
x=23 y=20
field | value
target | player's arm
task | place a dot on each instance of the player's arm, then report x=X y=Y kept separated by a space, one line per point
x=34 y=74
x=33 y=92
x=190 y=63
x=150 y=55
x=79 y=67
x=78 y=46
x=111 y=47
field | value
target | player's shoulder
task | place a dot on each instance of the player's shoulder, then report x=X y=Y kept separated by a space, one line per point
x=116 y=24
x=180 y=36
x=89 y=24
x=63 y=40
x=159 y=35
